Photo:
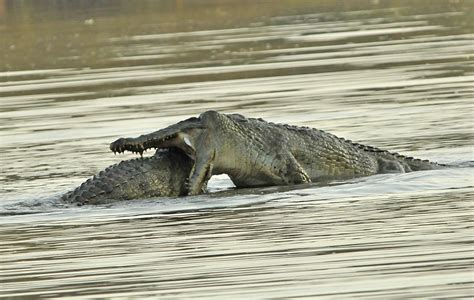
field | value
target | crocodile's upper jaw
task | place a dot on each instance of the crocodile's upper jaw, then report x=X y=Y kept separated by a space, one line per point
x=182 y=135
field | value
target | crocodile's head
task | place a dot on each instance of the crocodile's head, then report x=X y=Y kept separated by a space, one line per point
x=182 y=135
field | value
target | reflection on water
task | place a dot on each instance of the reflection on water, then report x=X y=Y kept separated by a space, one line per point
x=394 y=74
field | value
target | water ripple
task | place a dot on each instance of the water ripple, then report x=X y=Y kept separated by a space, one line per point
x=396 y=77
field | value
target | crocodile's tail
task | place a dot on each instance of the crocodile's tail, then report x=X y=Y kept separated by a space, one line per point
x=416 y=164
x=409 y=163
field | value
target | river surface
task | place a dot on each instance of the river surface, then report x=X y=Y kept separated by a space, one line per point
x=393 y=74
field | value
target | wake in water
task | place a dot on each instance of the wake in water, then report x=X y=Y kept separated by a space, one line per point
x=42 y=204
x=221 y=195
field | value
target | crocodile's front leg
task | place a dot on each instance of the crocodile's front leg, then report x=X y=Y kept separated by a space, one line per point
x=201 y=172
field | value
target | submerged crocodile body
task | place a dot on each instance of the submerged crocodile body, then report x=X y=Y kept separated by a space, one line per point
x=163 y=174
x=254 y=152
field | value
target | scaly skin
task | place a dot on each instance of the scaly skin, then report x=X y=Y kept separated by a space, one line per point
x=163 y=174
x=254 y=152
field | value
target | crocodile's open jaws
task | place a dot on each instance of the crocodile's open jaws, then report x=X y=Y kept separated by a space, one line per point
x=182 y=135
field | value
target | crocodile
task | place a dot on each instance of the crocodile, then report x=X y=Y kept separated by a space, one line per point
x=163 y=174
x=254 y=152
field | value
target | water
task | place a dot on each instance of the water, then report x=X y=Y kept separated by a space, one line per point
x=397 y=75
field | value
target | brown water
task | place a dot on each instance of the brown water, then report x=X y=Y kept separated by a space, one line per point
x=76 y=75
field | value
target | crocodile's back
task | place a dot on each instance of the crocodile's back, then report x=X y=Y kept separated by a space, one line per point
x=325 y=156
x=321 y=155
x=163 y=174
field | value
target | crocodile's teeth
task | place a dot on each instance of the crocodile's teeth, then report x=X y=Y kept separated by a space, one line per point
x=187 y=141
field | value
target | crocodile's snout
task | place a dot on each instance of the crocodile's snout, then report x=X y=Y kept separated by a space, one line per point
x=126 y=144
x=118 y=145
x=181 y=135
